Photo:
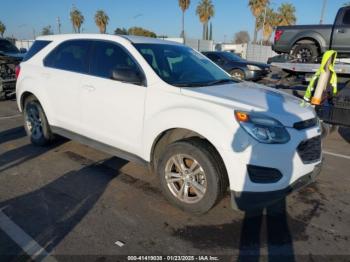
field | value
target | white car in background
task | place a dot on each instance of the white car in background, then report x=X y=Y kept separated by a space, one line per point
x=166 y=105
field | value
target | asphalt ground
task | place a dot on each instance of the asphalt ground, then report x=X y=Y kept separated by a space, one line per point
x=69 y=202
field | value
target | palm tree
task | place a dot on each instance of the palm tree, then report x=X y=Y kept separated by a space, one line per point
x=205 y=10
x=2 y=29
x=46 y=30
x=77 y=19
x=101 y=20
x=271 y=21
x=286 y=14
x=184 y=5
x=257 y=7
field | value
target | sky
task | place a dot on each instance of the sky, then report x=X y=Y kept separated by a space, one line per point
x=24 y=17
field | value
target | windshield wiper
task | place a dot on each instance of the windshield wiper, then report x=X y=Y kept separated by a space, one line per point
x=189 y=84
x=199 y=84
x=218 y=82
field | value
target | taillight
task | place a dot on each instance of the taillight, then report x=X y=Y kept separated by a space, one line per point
x=17 y=71
x=278 y=35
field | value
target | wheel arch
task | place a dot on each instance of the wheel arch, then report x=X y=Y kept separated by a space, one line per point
x=23 y=98
x=172 y=135
x=312 y=38
x=23 y=94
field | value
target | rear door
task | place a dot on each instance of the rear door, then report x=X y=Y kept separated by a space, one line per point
x=65 y=68
x=112 y=111
x=341 y=32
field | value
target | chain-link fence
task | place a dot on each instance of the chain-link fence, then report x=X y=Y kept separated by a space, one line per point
x=250 y=52
x=259 y=53
x=24 y=44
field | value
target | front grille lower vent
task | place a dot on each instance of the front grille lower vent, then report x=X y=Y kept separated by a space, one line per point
x=310 y=150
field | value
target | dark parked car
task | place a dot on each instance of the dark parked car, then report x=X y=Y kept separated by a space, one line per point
x=307 y=43
x=10 y=57
x=237 y=66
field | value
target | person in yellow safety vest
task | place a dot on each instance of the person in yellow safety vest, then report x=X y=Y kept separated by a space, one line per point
x=331 y=54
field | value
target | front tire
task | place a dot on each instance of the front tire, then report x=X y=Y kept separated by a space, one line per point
x=35 y=122
x=192 y=175
x=238 y=74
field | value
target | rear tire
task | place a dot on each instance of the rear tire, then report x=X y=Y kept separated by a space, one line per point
x=192 y=175
x=305 y=53
x=35 y=122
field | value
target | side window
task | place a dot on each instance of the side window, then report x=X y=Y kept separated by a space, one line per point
x=72 y=55
x=107 y=57
x=346 y=18
x=213 y=57
x=37 y=46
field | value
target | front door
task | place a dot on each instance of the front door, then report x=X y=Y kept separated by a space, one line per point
x=341 y=33
x=112 y=111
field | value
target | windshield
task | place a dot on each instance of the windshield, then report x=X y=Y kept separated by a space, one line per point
x=231 y=56
x=7 y=47
x=182 y=66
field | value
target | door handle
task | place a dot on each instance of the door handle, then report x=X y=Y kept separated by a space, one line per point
x=341 y=31
x=89 y=88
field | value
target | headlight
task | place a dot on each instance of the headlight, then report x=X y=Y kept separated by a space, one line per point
x=263 y=129
x=253 y=68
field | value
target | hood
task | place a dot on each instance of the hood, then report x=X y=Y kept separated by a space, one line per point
x=251 y=97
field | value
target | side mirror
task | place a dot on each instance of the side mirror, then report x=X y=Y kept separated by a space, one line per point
x=23 y=50
x=128 y=75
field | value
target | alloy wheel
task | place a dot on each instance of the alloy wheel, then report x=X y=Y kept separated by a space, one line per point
x=237 y=75
x=33 y=121
x=304 y=55
x=185 y=178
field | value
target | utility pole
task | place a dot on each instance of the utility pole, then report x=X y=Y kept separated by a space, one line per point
x=323 y=11
x=59 y=25
x=263 y=27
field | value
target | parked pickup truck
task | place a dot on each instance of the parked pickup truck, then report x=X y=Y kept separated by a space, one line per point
x=306 y=43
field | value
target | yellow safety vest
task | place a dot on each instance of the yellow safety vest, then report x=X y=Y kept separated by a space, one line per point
x=333 y=79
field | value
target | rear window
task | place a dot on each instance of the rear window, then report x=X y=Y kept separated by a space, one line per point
x=35 y=48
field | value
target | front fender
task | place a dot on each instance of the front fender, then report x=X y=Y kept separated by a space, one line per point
x=212 y=127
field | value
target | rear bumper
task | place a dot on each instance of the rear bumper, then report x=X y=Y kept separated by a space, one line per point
x=255 y=200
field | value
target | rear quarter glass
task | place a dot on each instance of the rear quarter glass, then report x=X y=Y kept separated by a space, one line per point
x=37 y=46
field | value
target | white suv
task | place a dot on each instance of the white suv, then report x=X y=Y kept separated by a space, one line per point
x=166 y=105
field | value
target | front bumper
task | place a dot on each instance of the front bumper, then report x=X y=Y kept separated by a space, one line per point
x=7 y=86
x=256 y=75
x=256 y=200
